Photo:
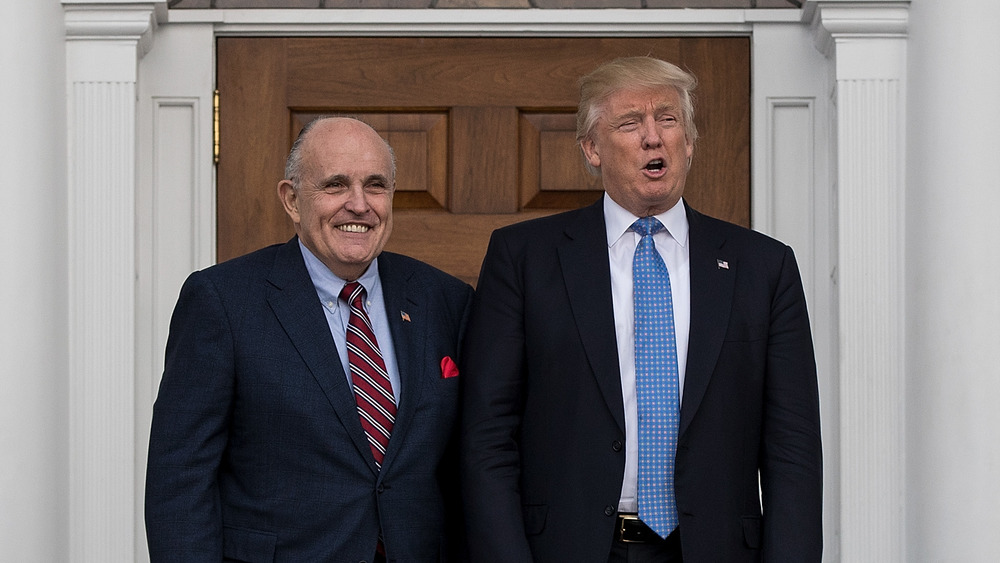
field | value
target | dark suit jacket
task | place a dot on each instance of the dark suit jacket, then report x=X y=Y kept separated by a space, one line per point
x=543 y=419
x=256 y=450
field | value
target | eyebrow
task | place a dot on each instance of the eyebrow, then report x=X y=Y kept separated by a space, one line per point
x=639 y=112
x=345 y=179
x=376 y=178
x=331 y=179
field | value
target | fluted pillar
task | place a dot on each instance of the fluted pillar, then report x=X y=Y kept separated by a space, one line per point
x=867 y=44
x=104 y=41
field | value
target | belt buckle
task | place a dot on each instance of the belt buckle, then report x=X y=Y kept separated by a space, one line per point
x=629 y=529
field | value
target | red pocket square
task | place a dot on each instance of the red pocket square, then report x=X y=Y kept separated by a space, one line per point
x=448 y=367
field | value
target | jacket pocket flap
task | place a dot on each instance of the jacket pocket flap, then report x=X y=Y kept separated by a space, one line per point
x=252 y=546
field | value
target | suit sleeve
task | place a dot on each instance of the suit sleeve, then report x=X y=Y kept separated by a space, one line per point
x=791 y=457
x=493 y=380
x=190 y=429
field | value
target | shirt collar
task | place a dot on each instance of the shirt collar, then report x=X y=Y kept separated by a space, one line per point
x=328 y=285
x=618 y=221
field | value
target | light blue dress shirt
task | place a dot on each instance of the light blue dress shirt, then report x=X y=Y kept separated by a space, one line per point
x=338 y=313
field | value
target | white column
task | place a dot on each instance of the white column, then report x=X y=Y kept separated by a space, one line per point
x=867 y=42
x=34 y=477
x=953 y=303
x=104 y=41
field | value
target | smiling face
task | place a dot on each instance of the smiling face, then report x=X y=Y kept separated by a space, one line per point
x=341 y=203
x=640 y=148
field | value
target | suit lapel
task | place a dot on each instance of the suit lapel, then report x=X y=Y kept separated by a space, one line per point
x=409 y=336
x=297 y=308
x=587 y=275
x=711 y=302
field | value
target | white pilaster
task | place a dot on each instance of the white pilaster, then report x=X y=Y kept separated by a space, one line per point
x=867 y=41
x=104 y=41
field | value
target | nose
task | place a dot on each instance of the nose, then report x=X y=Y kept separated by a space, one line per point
x=357 y=200
x=650 y=134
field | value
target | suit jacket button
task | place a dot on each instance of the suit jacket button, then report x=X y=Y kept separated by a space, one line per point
x=379 y=489
x=609 y=510
x=616 y=446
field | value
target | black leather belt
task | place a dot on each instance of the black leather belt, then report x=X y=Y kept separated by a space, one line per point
x=632 y=530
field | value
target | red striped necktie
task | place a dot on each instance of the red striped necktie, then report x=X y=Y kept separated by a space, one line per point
x=372 y=389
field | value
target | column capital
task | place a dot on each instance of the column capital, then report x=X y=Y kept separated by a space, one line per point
x=114 y=20
x=834 y=21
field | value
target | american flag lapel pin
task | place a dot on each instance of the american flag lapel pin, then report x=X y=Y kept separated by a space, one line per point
x=405 y=316
x=723 y=265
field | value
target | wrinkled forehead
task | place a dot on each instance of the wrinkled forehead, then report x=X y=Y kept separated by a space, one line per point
x=639 y=99
x=353 y=152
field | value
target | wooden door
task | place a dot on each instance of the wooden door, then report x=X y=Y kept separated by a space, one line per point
x=483 y=130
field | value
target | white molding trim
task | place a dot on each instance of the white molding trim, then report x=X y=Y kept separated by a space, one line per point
x=103 y=44
x=867 y=41
x=617 y=22
x=789 y=119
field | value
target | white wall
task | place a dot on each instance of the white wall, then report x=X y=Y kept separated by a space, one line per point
x=33 y=304
x=953 y=272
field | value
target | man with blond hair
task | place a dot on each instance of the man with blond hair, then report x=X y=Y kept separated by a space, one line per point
x=639 y=378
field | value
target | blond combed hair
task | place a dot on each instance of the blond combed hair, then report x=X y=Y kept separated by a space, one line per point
x=633 y=73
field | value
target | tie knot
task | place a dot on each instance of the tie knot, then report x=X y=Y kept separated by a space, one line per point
x=647 y=226
x=352 y=292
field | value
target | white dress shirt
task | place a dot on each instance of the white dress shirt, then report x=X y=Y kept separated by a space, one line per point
x=672 y=244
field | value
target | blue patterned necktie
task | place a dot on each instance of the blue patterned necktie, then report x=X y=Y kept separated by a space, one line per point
x=656 y=381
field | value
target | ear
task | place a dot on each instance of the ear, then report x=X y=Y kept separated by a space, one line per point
x=589 y=148
x=289 y=199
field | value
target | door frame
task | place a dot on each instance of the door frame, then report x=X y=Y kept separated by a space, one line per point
x=783 y=111
x=799 y=59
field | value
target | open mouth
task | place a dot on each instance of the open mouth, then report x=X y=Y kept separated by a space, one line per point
x=655 y=165
x=353 y=228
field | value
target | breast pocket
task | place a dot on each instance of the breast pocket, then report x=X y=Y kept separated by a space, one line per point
x=746 y=332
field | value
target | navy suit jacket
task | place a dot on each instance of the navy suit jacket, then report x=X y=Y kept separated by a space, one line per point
x=256 y=450
x=543 y=417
